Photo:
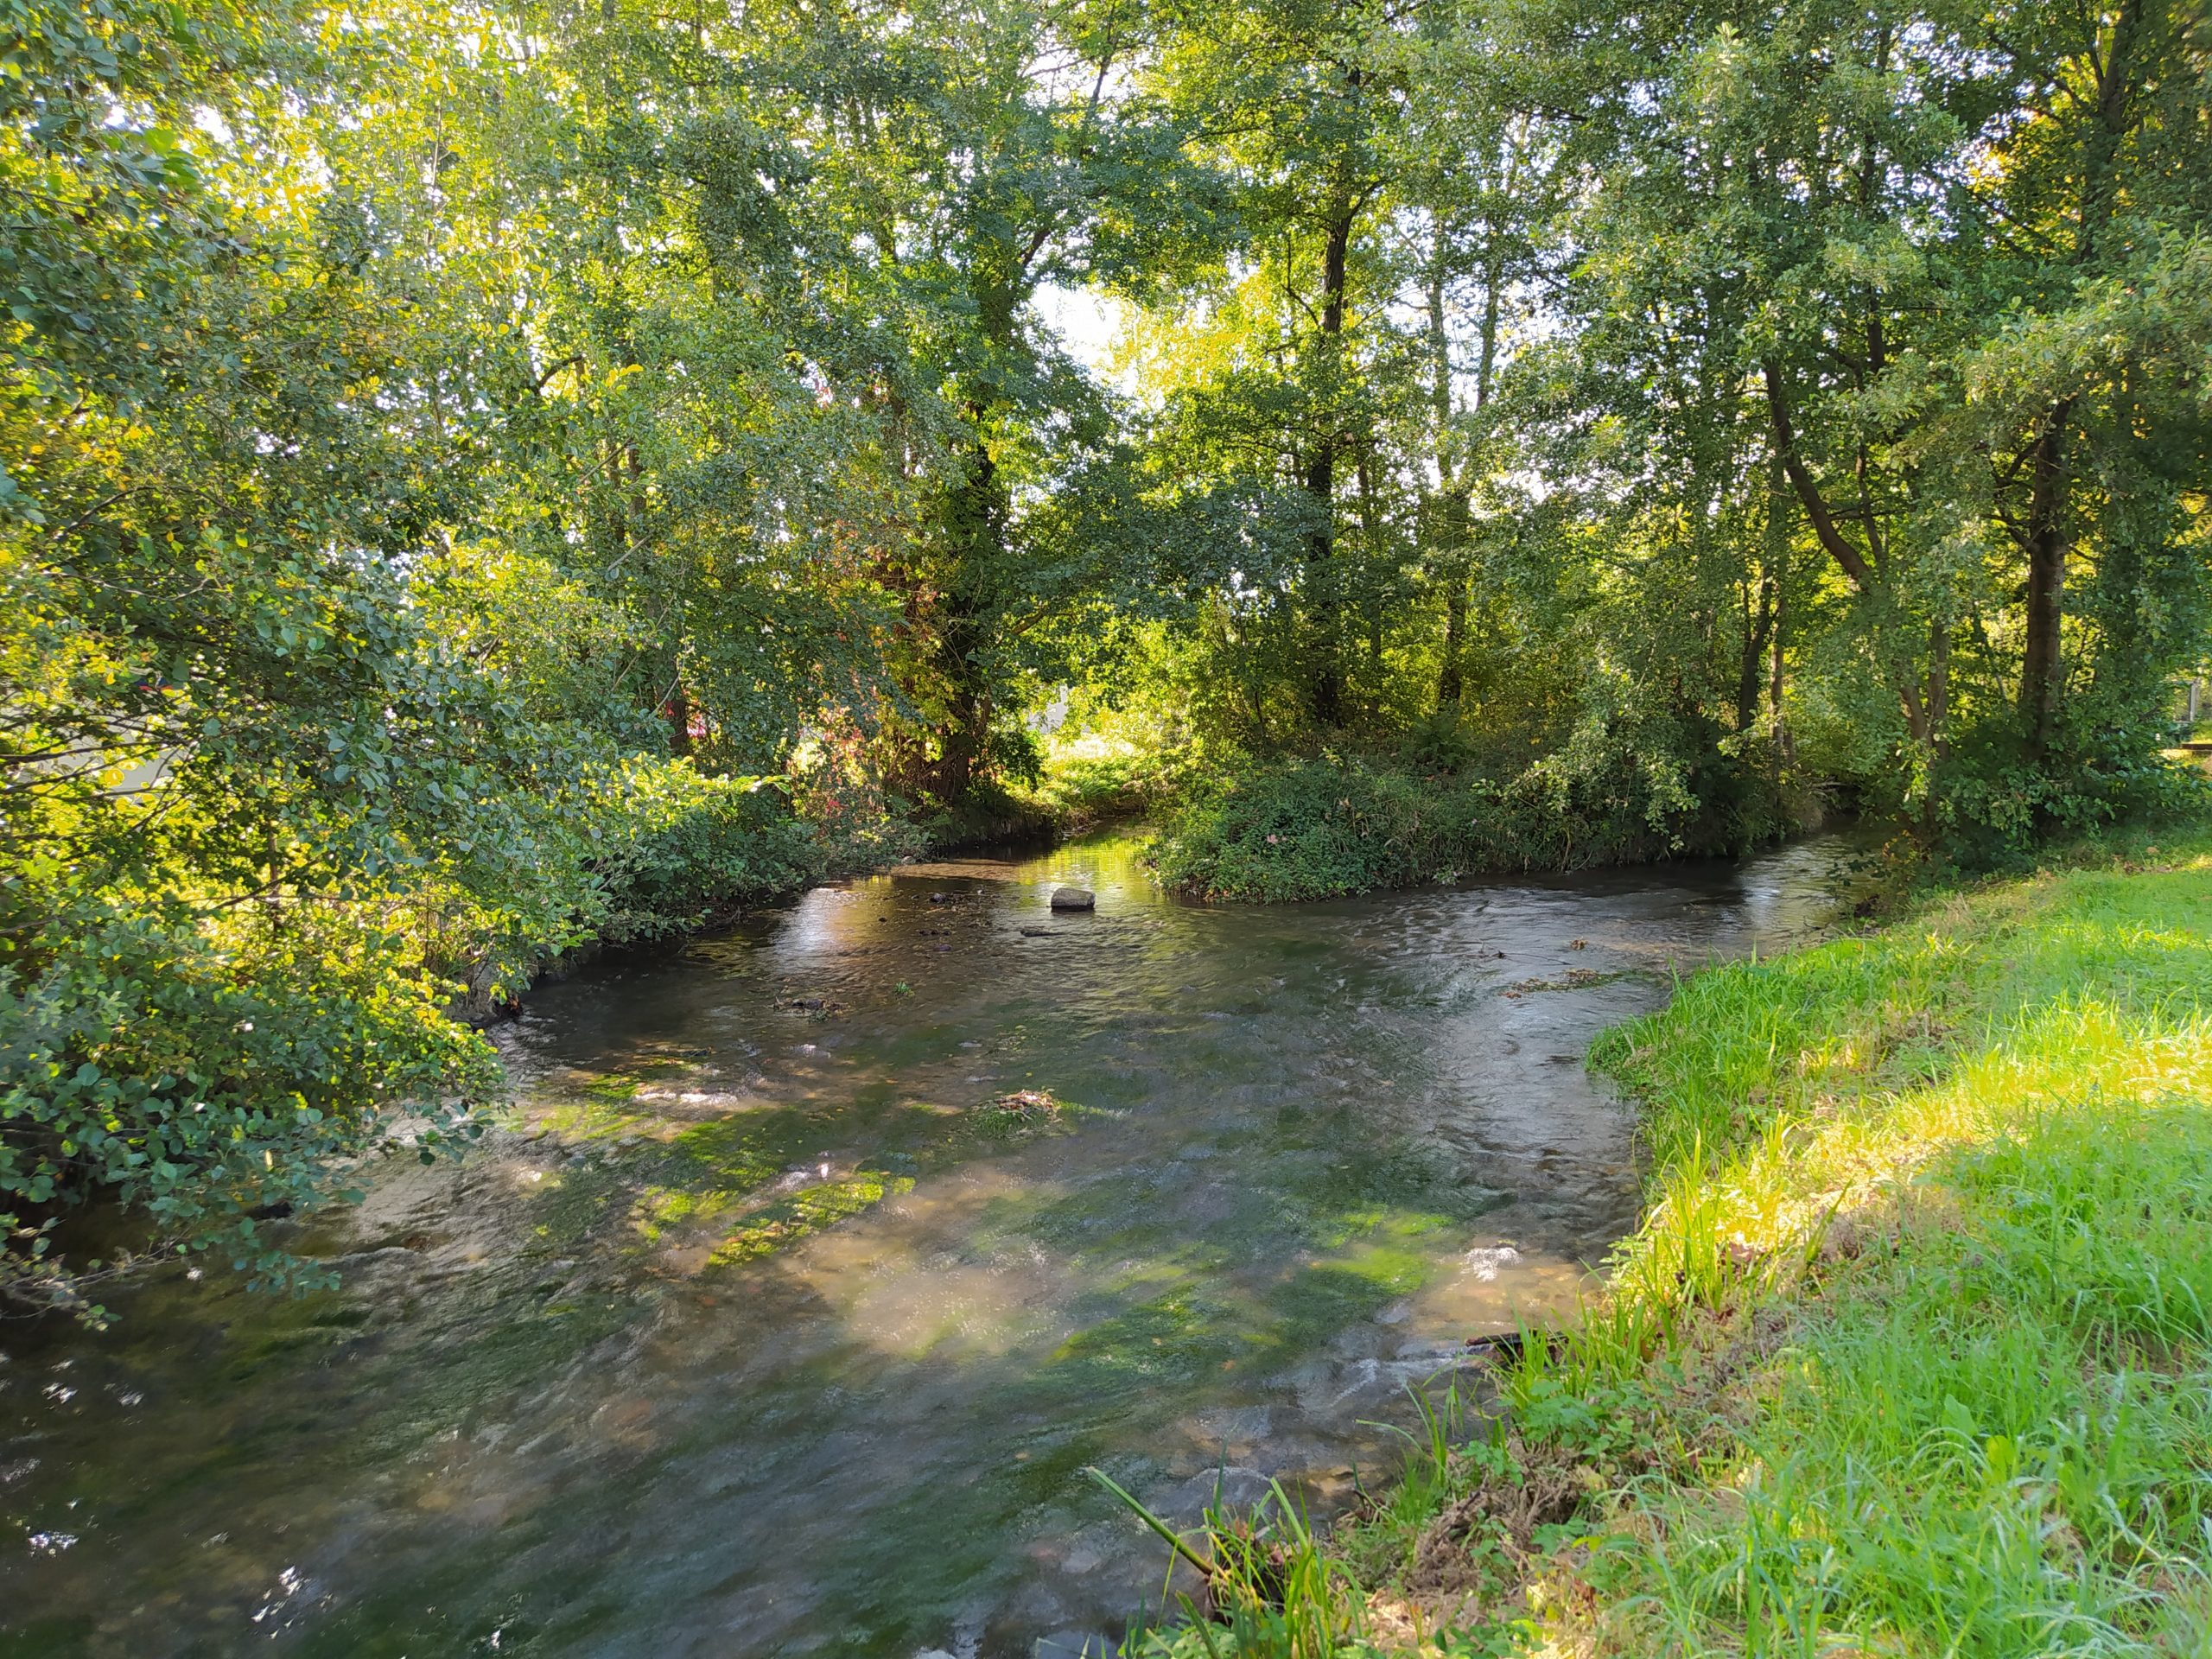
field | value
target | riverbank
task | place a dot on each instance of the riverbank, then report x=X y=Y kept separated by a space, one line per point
x=1911 y=1352
x=1327 y=825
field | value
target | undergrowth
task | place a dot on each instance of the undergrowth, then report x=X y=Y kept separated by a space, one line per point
x=1912 y=1354
x=1327 y=825
x=1091 y=782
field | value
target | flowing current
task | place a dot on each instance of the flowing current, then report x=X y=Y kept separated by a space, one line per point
x=824 y=1257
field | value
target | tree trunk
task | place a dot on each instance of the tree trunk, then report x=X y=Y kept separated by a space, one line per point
x=1939 y=685
x=2045 y=546
x=1455 y=514
x=679 y=721
x=962 y=744
x=1326 y=696
x=1371 y=598
x=975 y=528
x=1758 y=624
x=1785 y=746
x=1451 y=684
x=1777 y=571
x=1447 y=527
x=2044 y=538
x=1863 y=578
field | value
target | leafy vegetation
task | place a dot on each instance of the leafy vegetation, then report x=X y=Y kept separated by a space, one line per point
x=1324 y=826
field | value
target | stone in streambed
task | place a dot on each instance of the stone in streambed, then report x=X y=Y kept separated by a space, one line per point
x=1074 y=898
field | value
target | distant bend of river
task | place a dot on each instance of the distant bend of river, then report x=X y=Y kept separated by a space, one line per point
x=829 y=1252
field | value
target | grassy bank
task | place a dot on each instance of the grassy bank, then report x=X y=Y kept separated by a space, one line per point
x=1913 y=1352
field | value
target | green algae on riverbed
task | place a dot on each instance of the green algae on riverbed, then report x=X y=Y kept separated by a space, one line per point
x=734 y=1174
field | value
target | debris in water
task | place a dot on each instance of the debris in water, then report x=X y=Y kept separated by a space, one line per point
x=1497 y=1346
x=1019 y=1112
x=1577 y=979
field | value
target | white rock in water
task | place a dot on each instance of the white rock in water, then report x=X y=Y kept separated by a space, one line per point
x=1074 y=898
x=1486 y=1263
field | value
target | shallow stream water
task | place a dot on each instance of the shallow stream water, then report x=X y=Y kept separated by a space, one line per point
x=827 y=1254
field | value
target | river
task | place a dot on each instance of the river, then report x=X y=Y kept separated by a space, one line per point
x=767 y=1329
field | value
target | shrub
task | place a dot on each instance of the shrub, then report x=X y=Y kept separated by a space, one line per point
x=1329 y=825
x=677 y=851
x=207 y=1066
x=1314 y=829
x=1091 y=782
x=207 y=1075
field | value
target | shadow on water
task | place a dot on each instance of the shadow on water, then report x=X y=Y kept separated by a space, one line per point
x=823 y=1256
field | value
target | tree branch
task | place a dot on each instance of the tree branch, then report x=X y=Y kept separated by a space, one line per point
x=1808 y=493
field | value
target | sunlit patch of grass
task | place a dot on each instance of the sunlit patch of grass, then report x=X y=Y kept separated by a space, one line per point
x=1932 y=1207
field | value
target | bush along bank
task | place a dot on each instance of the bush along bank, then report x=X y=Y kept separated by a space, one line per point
x=1912 y=1354
x=1326 y=825
x=204 y=1065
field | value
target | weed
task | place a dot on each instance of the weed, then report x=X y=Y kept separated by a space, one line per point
x=1266 y=1589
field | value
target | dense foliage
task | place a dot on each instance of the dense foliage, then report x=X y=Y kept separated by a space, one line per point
x=455 y=451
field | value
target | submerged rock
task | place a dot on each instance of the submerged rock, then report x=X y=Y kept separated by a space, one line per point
x=1074 y=898
x=1487 y=1262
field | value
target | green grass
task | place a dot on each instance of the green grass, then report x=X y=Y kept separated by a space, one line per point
x=1091 y=781
x=1912 y=1354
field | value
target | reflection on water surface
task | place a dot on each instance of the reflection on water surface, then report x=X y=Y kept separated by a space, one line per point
x=771 y=1330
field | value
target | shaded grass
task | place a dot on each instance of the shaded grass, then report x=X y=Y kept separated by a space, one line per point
x=1912 y=1354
